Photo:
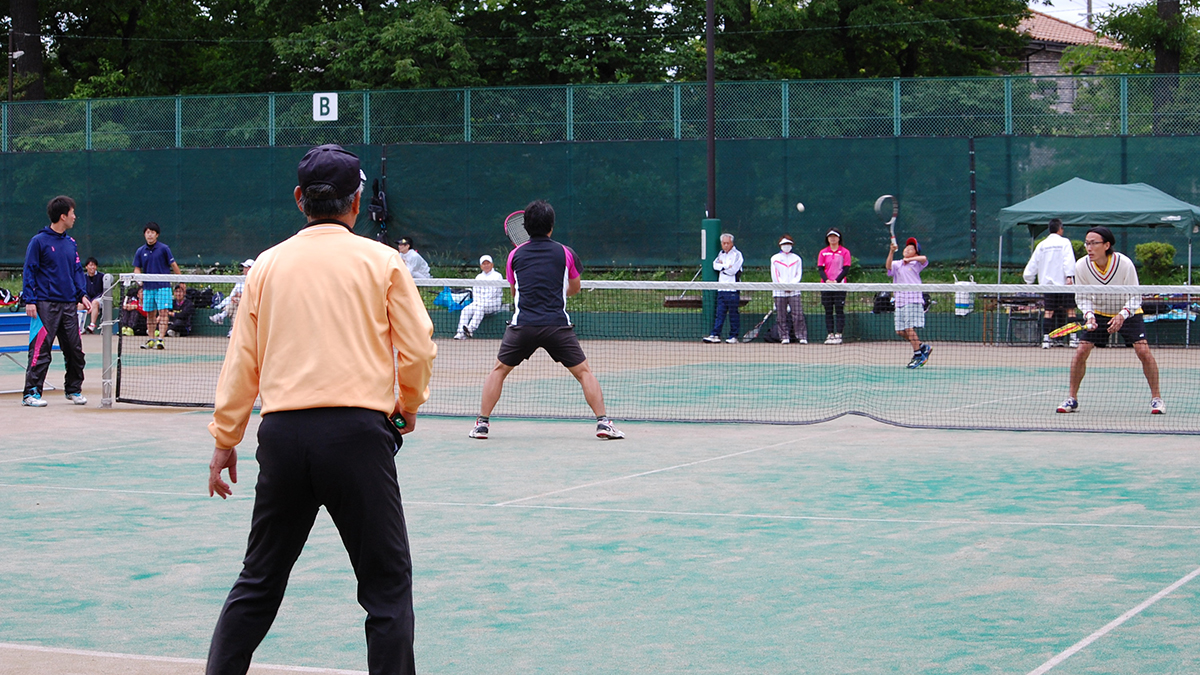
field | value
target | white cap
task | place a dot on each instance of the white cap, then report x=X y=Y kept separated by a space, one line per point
x=248 y=262
x=485 y=258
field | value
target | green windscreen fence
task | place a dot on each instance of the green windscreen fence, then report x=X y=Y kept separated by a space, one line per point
x=619 y=203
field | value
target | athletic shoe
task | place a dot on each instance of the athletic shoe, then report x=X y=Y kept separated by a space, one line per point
x=480 y=431
x=149 y=344
x=920 y=357
x=172 y=333
x=1157 y=407
x=77 y=399
x=1071 y=405
x=607 y=430
x=467 y=331
x=731 y=340
x=829 y=339
x=1074 y=341
x=460 y=335
x=34 y=401
x=219 y=317
x=712 y=339
x=1045 y=342
x=229 y=334
x=803 y=341
x=837 y=339
x=785 y=341
x=158 y=344
x=915 y=361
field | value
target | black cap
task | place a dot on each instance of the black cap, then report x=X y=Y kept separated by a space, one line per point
x=330 y=165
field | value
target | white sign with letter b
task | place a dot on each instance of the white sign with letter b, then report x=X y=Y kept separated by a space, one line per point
x=325 y=107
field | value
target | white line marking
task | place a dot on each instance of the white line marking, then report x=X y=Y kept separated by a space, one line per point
x=172 y=659
x=997 y=400
x=79 y=489
x=772 y=516
x=76 y=452
x=1113 y=624
x=669 y=468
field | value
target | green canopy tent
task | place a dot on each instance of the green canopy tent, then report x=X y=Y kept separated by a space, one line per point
x=1082 y=202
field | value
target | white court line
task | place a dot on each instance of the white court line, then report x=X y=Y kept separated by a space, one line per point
x=172 y=659
x=1113 y=624
x=669 y=468
x=124 y=492
x=845 y=519
x=997 y=400
x=76 y=452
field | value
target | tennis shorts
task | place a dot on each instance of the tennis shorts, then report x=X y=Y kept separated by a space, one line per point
x=154 y=299
x=911 y=315
x=1133 y=330
x=560 y=342
x=1059 y=301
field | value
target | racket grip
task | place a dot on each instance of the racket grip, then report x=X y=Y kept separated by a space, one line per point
x=894 y=241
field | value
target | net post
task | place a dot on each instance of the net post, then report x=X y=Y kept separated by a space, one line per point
x=710 y=239
x=106 y=334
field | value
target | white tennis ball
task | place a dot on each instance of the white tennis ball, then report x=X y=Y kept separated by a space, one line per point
x=800 y=207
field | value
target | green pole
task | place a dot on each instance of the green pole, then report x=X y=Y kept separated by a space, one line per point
x=710 y=245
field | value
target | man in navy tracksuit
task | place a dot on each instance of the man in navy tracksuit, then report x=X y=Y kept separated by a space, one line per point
x=54 y=284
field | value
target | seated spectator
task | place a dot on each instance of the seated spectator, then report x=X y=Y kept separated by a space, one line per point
x=95 y=289
x=133 y=318
x=485 y=300
x=227 y=308
x=180 y=318
x=417 y=267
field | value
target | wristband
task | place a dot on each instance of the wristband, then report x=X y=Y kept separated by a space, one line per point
x=1124 y=313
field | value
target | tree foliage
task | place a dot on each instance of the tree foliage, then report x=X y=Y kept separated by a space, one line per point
x=165 y=47
x=1141 y=32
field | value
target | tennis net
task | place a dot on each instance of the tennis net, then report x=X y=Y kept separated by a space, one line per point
x=989 y=366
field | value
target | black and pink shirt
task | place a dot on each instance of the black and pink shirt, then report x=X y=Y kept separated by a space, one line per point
x=539 y=271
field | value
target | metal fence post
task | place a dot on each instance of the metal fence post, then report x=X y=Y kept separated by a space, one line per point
x=179 y=121
x=1124 y=105
x=366 y=117
x=570 y=113
x=785 y=108
x=1008 y=113
x=4 y=131
x=87 y=125
x=271 y=119
x=895 y=106
x=466 y=115
x=676 y=113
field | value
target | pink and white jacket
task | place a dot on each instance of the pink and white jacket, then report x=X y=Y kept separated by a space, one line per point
x=786 y=268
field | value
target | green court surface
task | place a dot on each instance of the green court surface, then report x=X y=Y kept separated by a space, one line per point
x=844 y=547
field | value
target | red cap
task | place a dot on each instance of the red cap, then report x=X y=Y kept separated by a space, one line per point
x=912 y=241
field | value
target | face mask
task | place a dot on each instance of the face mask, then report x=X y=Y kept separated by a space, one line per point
x=786 y=248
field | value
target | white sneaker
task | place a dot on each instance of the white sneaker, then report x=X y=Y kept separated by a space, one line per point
x=712 y=339
x=802 y=341
x=460 y=335
x=837 y=338
x=1157 y=407
x=219 y=317
x=785 y=341
x=33 y=401
x=731 y=340
x=829 y=339
x=77 y=399
x=1045 y=342
x=1074 y=341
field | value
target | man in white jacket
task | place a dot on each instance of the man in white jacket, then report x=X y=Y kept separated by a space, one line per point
x=787 y=268
x=484 y=300
x=729 y=264
x=1053 y=264
x=1107 y=314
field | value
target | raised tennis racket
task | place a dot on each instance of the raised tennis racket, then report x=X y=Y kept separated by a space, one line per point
x=753 y=332
x=1073 y=327
x=514 y=228
x=881 y=210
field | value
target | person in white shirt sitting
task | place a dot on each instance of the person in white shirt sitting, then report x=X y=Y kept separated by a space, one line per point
x=1053 y=264
x=484 y=300
x=417 y=267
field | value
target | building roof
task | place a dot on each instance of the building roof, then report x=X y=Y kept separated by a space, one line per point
x=1047 y=28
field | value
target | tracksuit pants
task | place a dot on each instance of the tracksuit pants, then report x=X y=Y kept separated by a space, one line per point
x=342 y=459
x=727 y=303
x=58 y=321
x=796 y=324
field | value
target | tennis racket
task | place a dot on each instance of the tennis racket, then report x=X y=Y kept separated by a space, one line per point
x=881 y=211
x=1073 y=327
x=753 y=332
x=514 y=228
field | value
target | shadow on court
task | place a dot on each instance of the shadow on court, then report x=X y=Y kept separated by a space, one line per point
x=845 y=547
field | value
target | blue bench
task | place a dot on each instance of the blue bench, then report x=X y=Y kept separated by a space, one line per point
x=16 y=324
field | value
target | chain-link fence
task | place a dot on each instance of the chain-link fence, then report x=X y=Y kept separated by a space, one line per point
x=1086 y=105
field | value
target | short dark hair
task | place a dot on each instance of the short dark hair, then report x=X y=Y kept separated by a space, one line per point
x=91 y=260
x=153 y=227
x=1054 y=226
x=539 y=218
x=59 y=207
x=1105 y=234
x=181 y=286
x=320 y=200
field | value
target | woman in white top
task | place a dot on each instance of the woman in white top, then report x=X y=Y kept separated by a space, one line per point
x=417 y=267
x=787 y=268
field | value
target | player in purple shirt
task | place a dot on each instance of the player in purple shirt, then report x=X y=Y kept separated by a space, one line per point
x=910 y=305
x=543 y=274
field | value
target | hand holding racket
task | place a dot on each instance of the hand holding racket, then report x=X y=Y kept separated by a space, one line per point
x=881 y=211
x=514 y=228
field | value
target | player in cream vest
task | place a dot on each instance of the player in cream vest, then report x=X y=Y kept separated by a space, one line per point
x=1106 y=314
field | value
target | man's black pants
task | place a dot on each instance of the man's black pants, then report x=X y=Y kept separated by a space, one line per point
x=58 y=321
x=342 y=458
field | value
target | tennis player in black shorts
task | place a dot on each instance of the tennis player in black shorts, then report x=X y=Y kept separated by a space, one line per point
x=543 y=274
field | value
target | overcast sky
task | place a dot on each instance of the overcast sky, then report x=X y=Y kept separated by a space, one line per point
x=1075 y=11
